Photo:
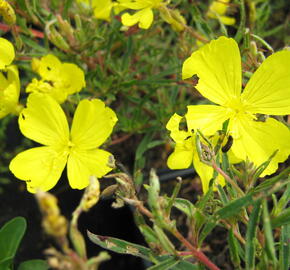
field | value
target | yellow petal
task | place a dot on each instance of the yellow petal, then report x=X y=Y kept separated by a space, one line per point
x=218 y=7
x=44 y=121
x=92 y=124
x=82 y=164
x=257 y=141
x=268 y=91
x=218 y=66
x=181 y=158
x=205 y=173
x=135 y=5
x=129 y=20
x=7 y=53
x=207 y=118
x=3 y=81
x=173 y=126
x=49 y=67
x=9 y=94
x=41 y=167
x=57 y=91
x=144 y=18
x=72 y=78
x=227 y=20
x=102 y=9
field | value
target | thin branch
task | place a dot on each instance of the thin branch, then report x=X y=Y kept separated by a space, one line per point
x=226 y=177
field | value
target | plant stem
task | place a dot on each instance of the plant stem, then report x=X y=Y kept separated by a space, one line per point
x=227 y=178
x=196 y=253
x=236 y=233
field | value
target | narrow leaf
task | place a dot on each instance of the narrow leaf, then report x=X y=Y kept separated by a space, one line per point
x=234 y=248
x=185 y=206
x=251 y=236
x=167 y=264
x=270 y=245
x=282 y=219
x=234 y=207
x=120 y=246
x=184 y=265
x=284 y=250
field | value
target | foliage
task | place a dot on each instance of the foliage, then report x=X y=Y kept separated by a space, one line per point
x=11 y=235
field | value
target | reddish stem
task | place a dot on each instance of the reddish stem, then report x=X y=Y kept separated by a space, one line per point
x=185 y=253
x=121 y=139
x=4 y=27
x=197 y=254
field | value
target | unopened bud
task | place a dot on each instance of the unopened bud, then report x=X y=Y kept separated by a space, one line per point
x=53 y=222
x=92 y=194
x=7 y=12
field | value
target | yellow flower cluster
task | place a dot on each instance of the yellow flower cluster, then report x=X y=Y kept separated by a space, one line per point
x=218 y=66
x=44 y=121
x=143 y=15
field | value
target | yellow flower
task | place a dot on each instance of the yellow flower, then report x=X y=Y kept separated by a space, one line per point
x=57 y=79
x=185 y=153
x=218 y=9
x=103 y=8
x=144 y=15
x=9 y=91
x=7 y=53
x=218 y=66
x=45 y=122
x=9 y=81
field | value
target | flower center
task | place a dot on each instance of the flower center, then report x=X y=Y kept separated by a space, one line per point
x=236 y=106
x=69 y=147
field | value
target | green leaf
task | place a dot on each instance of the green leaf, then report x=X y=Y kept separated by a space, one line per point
x=10 y=236
x=120 y=246
x=184 y=265
x=223 y=195
x=283 y=178
x=67 y=5
x=149 y=235
x=33 y=264
x=185 y=206
x=234 y=248
x=209 y=225
x=164 y=265
x=284 y=249
x=164 y=240
x=202 y=202
x=251 y=236
x=263 y=166
x=234 y=207
x=173 y=264
x=33 y=45
x=283 y=201
x=282 y=219
x=6 y=264
x=241 y=29
x=270 y=245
